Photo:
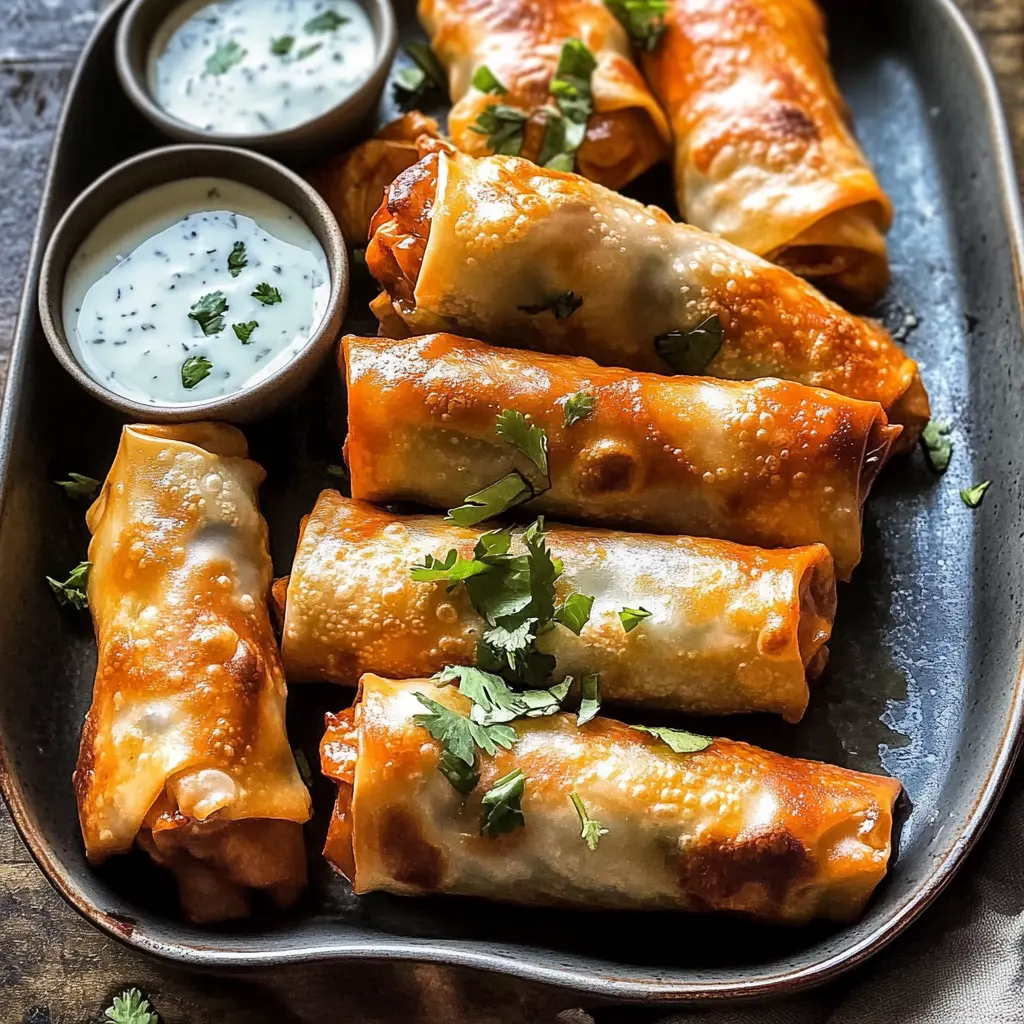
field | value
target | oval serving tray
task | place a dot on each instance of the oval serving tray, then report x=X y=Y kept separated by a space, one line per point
x=925 y=681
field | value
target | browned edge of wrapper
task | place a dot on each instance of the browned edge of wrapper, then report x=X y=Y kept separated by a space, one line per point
x=339 y=749
x=817 y=604
x=912 y=411
x=880 y=441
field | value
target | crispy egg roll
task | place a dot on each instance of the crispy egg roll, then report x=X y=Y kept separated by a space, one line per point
x=765 y=154
x=184 y=750
x=767 y=462
x=492 y=248
x=520 y=42
x=731 y=629
x=729 y=828
x=353 y=183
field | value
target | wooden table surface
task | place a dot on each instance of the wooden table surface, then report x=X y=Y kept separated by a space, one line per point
x=55 y=967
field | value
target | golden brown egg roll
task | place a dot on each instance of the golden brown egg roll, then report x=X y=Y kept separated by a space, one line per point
x=184 y=749
x=727 y=828
x=511 y=253
x=767 y=462
x=354 y=182
x=520 y=41
x=731 y=628
x=765 y=154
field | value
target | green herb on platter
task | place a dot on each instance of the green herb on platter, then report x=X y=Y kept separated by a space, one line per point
x=938 y=449
x=494 y=702
x=225 y=57
x=209 y=312
x=576 y=408
x=412 y=84
x=463 y=777
x=528 y=438
x=491 y=501
x=502 y=805
x=485 y=80
x=194 y=370
x=130 y=1007
x=681 y=741
x=632 y=617
x=972 y=496
x=591 y=829
x=72 y=591
x=308 y=51
x=243 y=332
x=237 y=260
x=459 y=734
x=567 y=127
x=643 y=20
x=266 y=294
x=590 y=698
x=574 y=612
x=328 y=21
x=504 y=127
x=79 y=486
x=281 y=46
x=563 y=306
x=691 y=352
x=453 y=569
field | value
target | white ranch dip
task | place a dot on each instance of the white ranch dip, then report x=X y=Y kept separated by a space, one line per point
x=254 y=66
x=192 y=290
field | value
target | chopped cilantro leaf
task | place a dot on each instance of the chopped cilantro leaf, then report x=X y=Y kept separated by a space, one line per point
x=681 y=741
x=502 y=805
x=972 y=496
x=691 y=352
x=79 y=486
x=243 y=332
x=327 y=21
x=504 y=127
x=266 y=294
x=513 y=427
x=632 y=617
x=194 y=370
x=225 y=57
x=591 y=829
x=73 y=590
x=577 y=407
x=209 y=312
x=643 y=20
x=491 y=500
x=485 y=80
x=590 y=698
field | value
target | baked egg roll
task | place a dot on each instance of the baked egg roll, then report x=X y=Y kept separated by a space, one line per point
x=731 y=628
x=512 y=253
x=184 y=750
x=725 y=828
x=520 y=43
x=766 y=462
x=765 y=154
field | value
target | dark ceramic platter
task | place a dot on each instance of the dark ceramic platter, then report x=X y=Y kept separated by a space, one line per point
x=924 y=682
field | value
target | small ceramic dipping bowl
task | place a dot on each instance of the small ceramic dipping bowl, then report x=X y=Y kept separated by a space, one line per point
x=112 y=200
x=147 y=25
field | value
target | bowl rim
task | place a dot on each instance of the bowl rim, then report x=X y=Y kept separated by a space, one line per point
x=137 y=89
x=249 y=401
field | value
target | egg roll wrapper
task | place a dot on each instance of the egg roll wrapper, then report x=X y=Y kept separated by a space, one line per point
x=184 y=749
x=767 y=462
x=731 y=828
x=484 y=247
x=520 y=42
x=732 y=628
x=764 y=150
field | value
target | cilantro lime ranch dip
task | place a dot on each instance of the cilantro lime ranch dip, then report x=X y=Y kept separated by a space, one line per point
x=250 y=66
x=193 y=290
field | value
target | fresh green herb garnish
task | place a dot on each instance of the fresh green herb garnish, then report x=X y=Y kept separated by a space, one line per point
x=308 y=51
x=412 y=84
x=632 y=617
x=494 y=702
x=591 y=829
x=513 y=428
x=574 y=612
x=130 y=1007
x=267 y=294
x=590 y=698
x=225 y=57
x=79 y=486
x=691 y=352
x=73 y=590
x=282 y=46
x=504 y=127
x=681 y=741
x=462 y=776
x=194 y=370
x=237 y=260
x=643 y=20
x=502 y=805
x=491 y=501
x=359 y=256
x=938 y=449
x=577 y=407
x=327 y=21
x=243 y=332
x=566 y=128
x=485 y=80
x=341 y=472
x=209 y=312
x=460 y=735
x=453 y=569
x=303 y=767
x=971 y=496
x=563 y=306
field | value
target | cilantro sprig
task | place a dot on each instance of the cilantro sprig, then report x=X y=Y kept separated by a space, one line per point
x=224 y=58
x=643 y=20
x=208 y=311
x=691 y=352
x=237 y=260
x=267 y=294
x=501 y=806
x=577 y=407
x=243 y=331
x=591 y=829
x=590 y=698
x=460 y=735
x=567 y=126
x=632 y=617
x=679 y=740
x=527 y=437
x=73 y=590
x=413 y=84
x=485 y=80
x=491 y=501
x=194 y=370
x=504 y=126
x=938 y=449
x=80 y=486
